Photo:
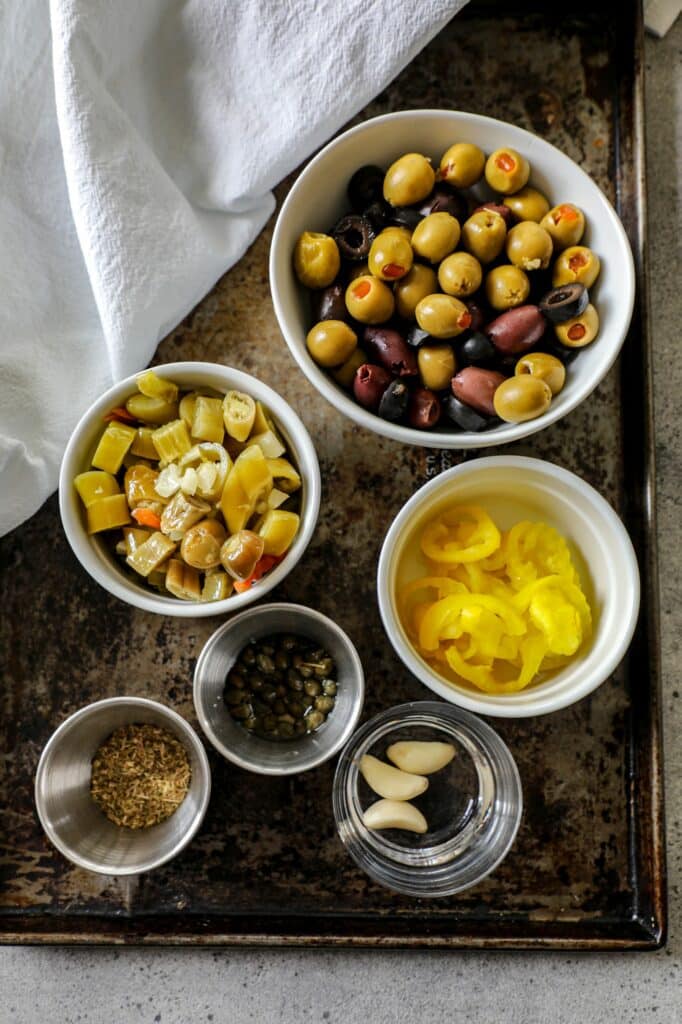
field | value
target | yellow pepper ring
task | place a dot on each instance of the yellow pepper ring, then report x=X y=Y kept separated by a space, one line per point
x=444 y=611
x=439 y=544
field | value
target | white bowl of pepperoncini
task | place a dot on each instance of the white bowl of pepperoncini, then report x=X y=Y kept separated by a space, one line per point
x=509 y=586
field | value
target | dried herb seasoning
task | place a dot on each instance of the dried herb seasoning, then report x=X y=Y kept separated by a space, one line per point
x=140 y=775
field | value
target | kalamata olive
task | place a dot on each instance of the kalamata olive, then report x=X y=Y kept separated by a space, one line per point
x=477 y=316
x=405 y=217
x=369 y=385
x=329 y=303
x=444 y=199
x=394 y=401
x=423 y=410
x=561 y=304
x=517 y=329
x=500 y=208
x=388 y=348
x=477 y=350
x=378 y=214
x=366 y=186
x=354 y=235
x=476 y=387
x=416 y=337
x=463 y=415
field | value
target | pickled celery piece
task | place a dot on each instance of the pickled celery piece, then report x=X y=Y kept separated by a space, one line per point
x=278 y=529
x=186 y=407
x=157 y=578
x=234 y=502
x=277 y=498
x=254 y=474
x=172 y=440
x=94 y=485
x=181 y=513
x=284 y=475
x=155 y=387
x=133 y=537
x=151 y=554
x=143 y=444
x=207 y=423
x=269 y=443
x=139 y=484
x=182 y=580
x=112 y=447
x=217 y=586
x=107 y=513
x=151 y=410
x=239 y=412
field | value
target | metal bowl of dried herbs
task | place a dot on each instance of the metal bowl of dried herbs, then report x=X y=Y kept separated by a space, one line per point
x=122 y=786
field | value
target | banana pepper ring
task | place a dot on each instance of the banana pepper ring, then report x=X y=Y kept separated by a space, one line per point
x=462 y=534
x=443 y=615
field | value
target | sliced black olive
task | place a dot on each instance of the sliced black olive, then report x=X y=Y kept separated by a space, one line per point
x=445 y=199
x=329 y=303
x=477 y=350
x=378 y=214
x=463 y=415
x=354 y=235
x=406 y=217
x=366 y=185
x=394 y=401
x=564 y=303
x=416 y=337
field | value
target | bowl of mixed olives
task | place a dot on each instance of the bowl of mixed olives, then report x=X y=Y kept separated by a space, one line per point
x=449 y=280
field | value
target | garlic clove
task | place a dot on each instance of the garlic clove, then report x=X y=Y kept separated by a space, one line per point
x=390 y=782
x=419 y=757
x=395 y=814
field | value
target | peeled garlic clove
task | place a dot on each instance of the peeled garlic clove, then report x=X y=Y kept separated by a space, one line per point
x=395 y=814
x=420 y=757
x=390 y=782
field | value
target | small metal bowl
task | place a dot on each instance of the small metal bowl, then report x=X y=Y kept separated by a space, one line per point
x=72 y=820
x=272 y=757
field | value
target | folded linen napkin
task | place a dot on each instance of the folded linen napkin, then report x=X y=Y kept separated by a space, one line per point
x=138 y=146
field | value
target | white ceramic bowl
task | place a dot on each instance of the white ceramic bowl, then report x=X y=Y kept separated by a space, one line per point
x=93 y=552
x=512 y=488
x=318 y=199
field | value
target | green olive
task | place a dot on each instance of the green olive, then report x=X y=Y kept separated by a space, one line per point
x=346 y=372
x=527 y=204
x=331 y=342
x=408 y=180
x=462 y=165
x=201 y=544
x=546 y=367
x=565 y=225
x=399 y=230
x=577 y=263
x=437 y=366
x=506 y=286
x=416 y=285
x=390 y=256
x=369 y=300
x=483 y=235
x=316 y=259
x=460 y=274
x=443 y=316
x=506 y=171
x=435 y=236
x=579 y=331
x=522 y=398
x=529 y=246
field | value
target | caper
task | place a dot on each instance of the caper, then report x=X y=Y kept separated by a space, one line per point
x=233 y=696
x=279 y=707
x=306 y=671
x=236 y=679
x=299 y=728
x=313 y=688
x=269 y=694
x=248 y=655
x=324 y=704
x=269 y=723
x=241 y=711
x=265 y=662
x=288 y=643
x=296 y=708
x=329 y=687
x=324 y=668
x=282 y=661
x=294 y=680
x=285 y=730
x=251 y=723
x=281 y=691
x=286 y=717
x=314 y=720
x=256 y=682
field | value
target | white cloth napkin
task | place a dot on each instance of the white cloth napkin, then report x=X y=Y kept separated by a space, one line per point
x=138 y=145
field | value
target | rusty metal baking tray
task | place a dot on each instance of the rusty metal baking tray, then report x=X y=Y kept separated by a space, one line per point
x=587 y=870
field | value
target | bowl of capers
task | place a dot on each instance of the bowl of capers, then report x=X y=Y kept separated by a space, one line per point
x=278 y=689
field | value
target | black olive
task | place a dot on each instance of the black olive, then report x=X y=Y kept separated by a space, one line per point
x=564 y=303
x=477 y=350
x=366 y=185
x=477 y=316
x=329 y=303
x=416 y=337
x=406 y=217
x=445 y=199
x=463 y=415
x=563 y=353
x=354 y=235
x=378 y=214
x=394 y=401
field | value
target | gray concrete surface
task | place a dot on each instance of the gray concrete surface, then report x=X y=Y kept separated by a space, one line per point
x=61 y=986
